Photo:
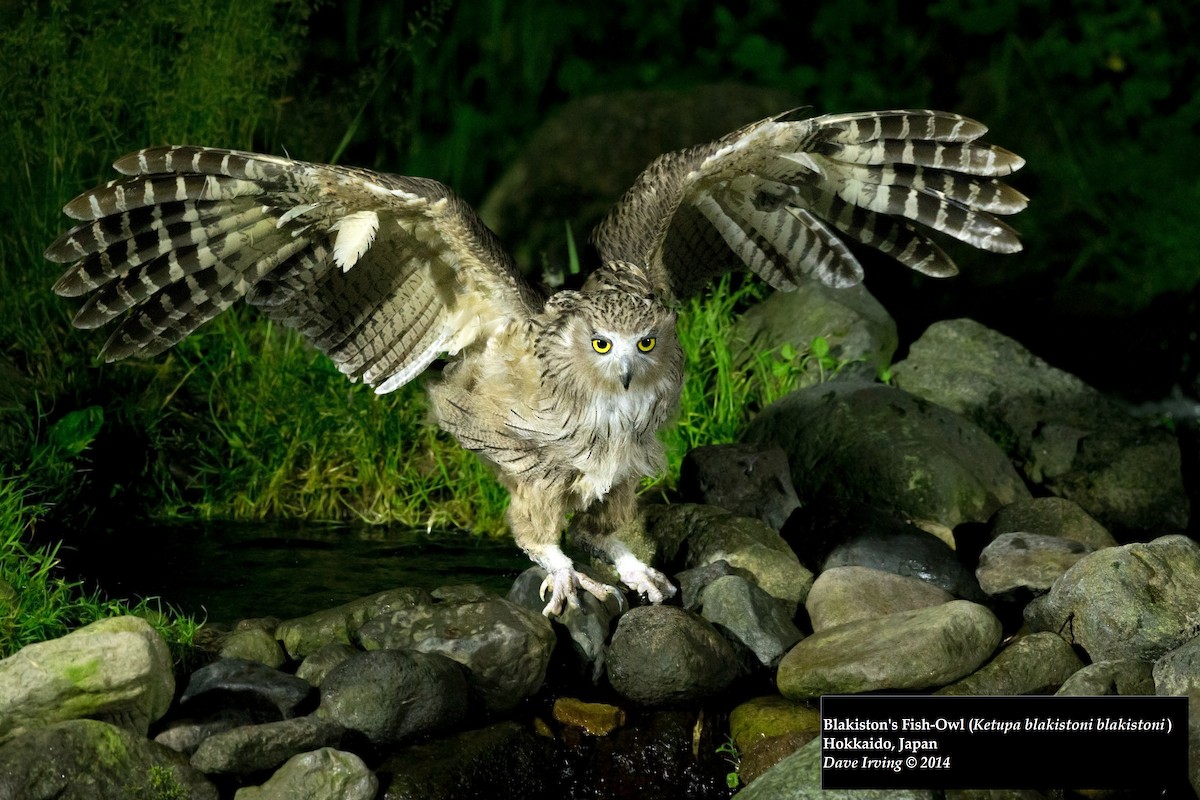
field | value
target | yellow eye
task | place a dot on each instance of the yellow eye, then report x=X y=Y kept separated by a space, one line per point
x=601 y=346
x=646 y=345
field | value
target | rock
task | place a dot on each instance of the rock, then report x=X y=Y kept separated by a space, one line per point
x=319 y=775
x=1051 y=516
x=1067 y=436
x=712 y=534
x=86 y=759
x=254 y=644
x=663 y=654
x=919 y=649
x=768 y=729
x=1136 y=601
x=849 y=594
x=239 y=684
x=185 y=735
x=1177 y=672
x=1123 y=677
x=1026 y=561
x=763 y=754
x=860 y=332
x=769 y=717
x=390 y=696
x=598 y=719
x=750 y=617
x=884 y=447
x=798 y=777
x=692 y=582
x=588 y=626
x=338 y=625
x=318 y=663
x=827 y=535
x=503 y=760
x=255 y=748
x=117 y=668
x=505 y=648
x=744 y=480
x=1035 y=664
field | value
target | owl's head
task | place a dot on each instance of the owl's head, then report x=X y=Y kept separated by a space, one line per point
x=617 y=335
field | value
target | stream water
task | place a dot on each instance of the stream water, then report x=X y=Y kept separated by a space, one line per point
x=223 y=572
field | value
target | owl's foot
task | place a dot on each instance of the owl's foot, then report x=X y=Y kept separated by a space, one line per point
x=643 y=579
x=564 y=584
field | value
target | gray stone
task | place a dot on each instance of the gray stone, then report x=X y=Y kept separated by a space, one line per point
x=919 y=649
x=505 y=648
x=254 y=748
x=744 y=480
x=318 y=775
x=1136 y=601
x=253 y=644
x=237 y=683
x=750 y=617
x=857 y=327
x=881 y=446
x=692 y=582
x=185 y=735
x=1051 y=516
x=827 y=535
x=317 y=664
x=339 y=625
x=798 y=777
x=588 y=626
x=393 y=695
x=1123 y=677
x=1035 y=664
x=712 y=534
x=1026 y=561
x=1066 y=435
x=117 y=668
x=1177 y=673
x=849 y=594
x=663 y=654
x=86 y=759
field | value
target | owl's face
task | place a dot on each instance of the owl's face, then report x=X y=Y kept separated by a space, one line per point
x=624 y=344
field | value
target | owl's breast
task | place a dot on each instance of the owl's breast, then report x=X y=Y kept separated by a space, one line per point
x=615 y=441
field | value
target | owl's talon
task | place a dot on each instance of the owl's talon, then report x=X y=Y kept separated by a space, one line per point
x=564 y=586
x=645 y=580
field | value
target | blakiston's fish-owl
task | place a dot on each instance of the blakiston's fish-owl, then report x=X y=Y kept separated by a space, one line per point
x=563 y=393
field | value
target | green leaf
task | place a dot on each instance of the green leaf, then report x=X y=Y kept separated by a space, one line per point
x=75 y=431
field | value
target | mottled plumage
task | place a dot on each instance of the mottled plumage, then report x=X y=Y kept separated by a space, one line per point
x=563 y=393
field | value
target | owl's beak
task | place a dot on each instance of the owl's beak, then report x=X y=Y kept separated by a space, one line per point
x=626 y=374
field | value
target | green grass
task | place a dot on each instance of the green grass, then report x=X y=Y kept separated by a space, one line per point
x=37 y=603
x=722 y=390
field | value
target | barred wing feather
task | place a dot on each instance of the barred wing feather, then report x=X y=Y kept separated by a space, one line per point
x=381 y=272
x=782 y=194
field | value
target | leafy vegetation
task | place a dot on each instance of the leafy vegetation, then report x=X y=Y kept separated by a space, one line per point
x=242 y=420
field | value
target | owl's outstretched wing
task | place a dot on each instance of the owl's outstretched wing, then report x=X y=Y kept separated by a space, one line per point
x=775 y=194
x=383 y=273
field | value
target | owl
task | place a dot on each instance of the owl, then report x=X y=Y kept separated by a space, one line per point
x=562 y=392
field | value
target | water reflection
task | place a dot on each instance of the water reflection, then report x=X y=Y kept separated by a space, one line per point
x=228 y=571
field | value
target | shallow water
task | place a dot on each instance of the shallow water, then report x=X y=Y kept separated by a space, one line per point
x=223 y=572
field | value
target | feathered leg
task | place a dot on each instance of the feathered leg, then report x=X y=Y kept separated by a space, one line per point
x=597 y=527
x=537 y=515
